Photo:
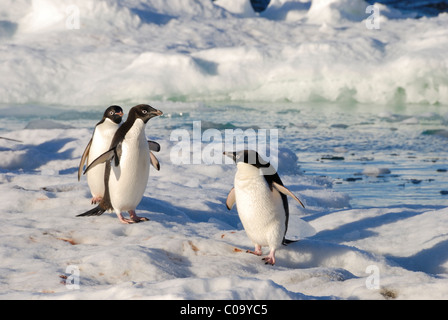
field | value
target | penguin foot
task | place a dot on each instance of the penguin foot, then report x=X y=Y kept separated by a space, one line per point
x=135 y=217
x=270 y=259
x=257 y=251
x=131 y=221
x=127 y=221
x=96 y=200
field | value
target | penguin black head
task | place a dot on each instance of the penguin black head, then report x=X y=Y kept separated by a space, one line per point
x=144 y=112
x=114 y=113
x=248 y=156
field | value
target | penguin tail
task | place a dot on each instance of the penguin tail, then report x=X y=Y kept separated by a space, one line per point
x=97 y=211
x=288 y=241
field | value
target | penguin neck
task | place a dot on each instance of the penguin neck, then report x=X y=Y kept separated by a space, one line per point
x=105 y=130
x=247 y=172
x=136 y=130
x=108 y=123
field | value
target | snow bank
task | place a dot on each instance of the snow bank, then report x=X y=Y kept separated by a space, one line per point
x=336 y=11
x=89 y=52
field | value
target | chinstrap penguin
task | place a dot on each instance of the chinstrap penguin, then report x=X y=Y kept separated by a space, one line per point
x=261 y=201
x=127 y=166
x=99 y=143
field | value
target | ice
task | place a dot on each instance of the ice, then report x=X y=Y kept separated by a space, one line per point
x=193 y=247
x=290 y=52
x=336 y=11
x=374 y=172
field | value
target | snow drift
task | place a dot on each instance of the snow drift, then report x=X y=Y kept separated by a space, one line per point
x=89 y=52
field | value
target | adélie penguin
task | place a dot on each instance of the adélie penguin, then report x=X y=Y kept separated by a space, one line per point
x=99 y=143
x=261 y=201
x=127 y=166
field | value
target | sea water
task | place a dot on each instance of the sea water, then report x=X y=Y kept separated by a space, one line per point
x=377 y=156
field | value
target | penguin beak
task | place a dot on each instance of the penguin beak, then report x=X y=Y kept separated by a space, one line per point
x=152 y=114
x=157 y=113
x=231 y=155
x=121 y=114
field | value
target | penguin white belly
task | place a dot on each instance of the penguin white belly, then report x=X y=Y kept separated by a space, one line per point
x=127 y=182
x=260 y=210
x=100 y=144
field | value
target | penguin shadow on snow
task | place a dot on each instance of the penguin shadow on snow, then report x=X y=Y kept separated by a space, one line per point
x=361 y=229
x=217 y=212
x=31 y=157
x=303 y=253
x=429 y=260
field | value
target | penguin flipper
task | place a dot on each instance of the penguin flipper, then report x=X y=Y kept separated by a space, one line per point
x=286 y=191
x=230 y=199
x=153 y=146
x=97 y=211
x=117 y=154
x=155 y=163
x=106 y=156
x=84 y=156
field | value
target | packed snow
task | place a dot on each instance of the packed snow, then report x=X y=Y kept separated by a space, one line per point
x=193 y=247
x=222 y=64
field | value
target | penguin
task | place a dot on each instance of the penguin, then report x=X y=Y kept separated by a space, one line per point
x=259 y=5
x=127 y=166
x=99 y=143
x=262 y=203
x=154 y=146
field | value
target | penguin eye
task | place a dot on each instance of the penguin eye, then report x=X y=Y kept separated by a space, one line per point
x=144 y=111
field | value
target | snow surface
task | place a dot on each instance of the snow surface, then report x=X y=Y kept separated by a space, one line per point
x=193 y=247
x=59 y=79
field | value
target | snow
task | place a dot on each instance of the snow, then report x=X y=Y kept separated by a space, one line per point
x=91 y=52
x=193 y=247
x=189 y=59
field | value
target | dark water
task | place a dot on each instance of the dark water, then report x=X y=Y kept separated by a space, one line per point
x=422 y=8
